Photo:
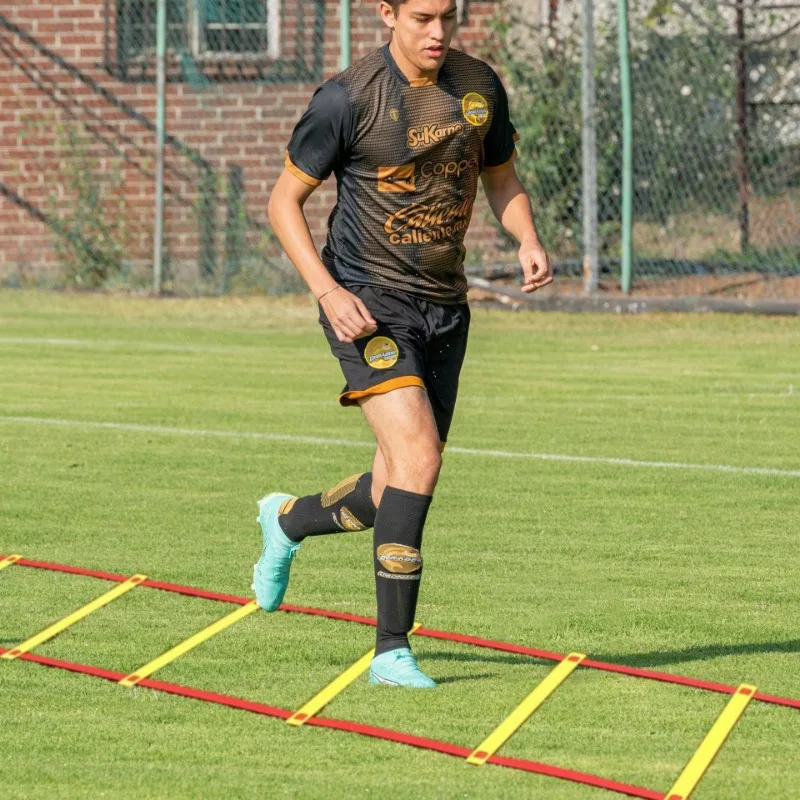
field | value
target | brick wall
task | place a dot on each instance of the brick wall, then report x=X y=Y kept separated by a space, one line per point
x=66 y=116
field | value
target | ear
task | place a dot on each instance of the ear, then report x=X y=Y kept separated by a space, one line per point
x=387 y=14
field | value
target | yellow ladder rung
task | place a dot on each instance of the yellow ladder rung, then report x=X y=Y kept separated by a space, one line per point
x=322 y=698
x=712 y=744
x=57 y=627
x=9 y=560
x=494 y=741
x=189 y=644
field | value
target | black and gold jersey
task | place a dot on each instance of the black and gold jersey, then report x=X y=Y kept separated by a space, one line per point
x=406 y=156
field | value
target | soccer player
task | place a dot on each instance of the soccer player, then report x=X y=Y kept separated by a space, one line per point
x=407 y=132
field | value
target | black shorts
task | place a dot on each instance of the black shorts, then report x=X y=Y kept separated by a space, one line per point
x=418 y=343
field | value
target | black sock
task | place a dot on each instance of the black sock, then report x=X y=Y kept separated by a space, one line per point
x=347 y=506
x=398 y=564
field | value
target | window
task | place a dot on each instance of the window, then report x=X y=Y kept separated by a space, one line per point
x=218 y=40
x=235 y=26
x=201 y=28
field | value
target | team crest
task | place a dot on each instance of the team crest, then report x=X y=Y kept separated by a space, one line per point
x=394 y=114
x=475 y=108
x=381 y=352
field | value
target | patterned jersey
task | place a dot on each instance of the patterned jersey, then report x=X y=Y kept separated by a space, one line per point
x=407 y=156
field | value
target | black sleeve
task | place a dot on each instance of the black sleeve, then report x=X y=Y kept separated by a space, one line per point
x=498 y=146
x=321 y=138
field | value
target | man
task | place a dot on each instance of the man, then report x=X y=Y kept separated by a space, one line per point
x=407 y=131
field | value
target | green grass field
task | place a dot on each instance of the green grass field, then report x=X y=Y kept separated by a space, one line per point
x=683 y=570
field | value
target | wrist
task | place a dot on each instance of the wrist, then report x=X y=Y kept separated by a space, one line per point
x=531 y=240
x=327 y=291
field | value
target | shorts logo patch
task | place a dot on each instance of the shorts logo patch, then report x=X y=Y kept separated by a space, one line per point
x=399 y=559
x=475 y=108
x=397 y=179
x=381 y=353
x=394 y=114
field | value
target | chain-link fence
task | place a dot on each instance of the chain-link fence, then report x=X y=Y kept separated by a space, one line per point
x=716 y=120
x=716 y=132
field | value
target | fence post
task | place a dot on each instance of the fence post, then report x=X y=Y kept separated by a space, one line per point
x=234 y=224
x=207 y=221
x=344 y=34
x=742 y=143
x=627 y=146
x=161 y=57
x=589 y=139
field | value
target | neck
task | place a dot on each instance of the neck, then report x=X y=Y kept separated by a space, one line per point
x=407 y=67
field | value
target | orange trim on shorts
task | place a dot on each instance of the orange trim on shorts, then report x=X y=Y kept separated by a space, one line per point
x=504 y=165
x=299 y=174
x=351 y=398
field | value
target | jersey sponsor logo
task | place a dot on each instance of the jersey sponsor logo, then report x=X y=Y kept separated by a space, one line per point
x=432 y=134
x=419 y=223
x=397 y=179
x=448 y=169
x=475 y=109
x=381 y=352
x=399 y=559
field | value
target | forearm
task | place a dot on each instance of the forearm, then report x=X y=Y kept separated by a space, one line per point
x=511 y=205
x=291 y=227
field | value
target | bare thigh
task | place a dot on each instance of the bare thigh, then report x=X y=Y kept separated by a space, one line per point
x=408 y=455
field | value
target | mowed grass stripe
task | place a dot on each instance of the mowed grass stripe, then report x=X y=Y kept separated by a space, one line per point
x=472 y=451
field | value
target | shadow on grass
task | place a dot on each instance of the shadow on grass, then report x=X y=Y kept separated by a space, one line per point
x=654 y=659
x=700 y=653
x=485 y=658
x=461 y=678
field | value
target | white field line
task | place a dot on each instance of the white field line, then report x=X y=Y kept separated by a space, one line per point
x=108 y=344
x=470 y=451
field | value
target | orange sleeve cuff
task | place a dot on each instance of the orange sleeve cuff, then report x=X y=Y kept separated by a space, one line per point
x=299 y=174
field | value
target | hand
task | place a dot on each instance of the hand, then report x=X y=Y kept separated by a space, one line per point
x=536 y=266
x=347 y=315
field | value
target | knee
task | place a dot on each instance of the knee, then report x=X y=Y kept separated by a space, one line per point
x=417 y=470
x=429 y=464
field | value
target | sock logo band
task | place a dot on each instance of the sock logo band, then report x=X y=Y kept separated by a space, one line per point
x=349 y=521
x=399 y=558
x=381 y=574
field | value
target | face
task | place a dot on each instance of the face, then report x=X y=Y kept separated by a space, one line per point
x=422 y=30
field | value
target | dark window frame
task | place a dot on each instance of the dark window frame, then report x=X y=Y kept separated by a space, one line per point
x=192 y=58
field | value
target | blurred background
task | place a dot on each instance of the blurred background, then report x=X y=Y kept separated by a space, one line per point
x=660 y=140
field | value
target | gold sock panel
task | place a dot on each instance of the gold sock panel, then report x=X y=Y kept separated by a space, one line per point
x=287 y=505
x=339 y=491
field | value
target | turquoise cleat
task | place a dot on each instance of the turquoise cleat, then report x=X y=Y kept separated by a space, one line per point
x=271 y=571
x=398 y=668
